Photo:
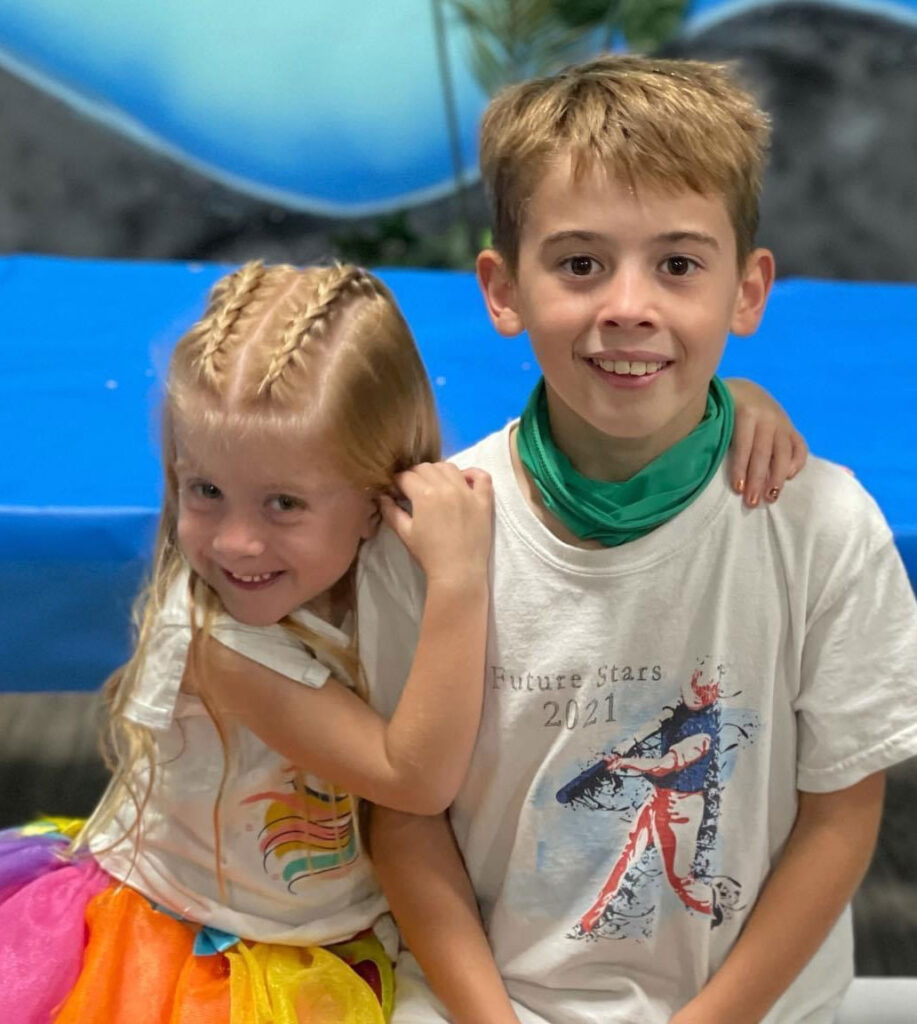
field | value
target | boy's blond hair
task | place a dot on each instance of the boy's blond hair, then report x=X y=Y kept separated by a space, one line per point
x=669 y=124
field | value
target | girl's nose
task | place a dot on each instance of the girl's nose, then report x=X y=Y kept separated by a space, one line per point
x=236 y=536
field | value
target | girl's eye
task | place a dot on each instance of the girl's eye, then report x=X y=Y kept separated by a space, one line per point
x=678 y=266
x=285 y=503
x=580 y=266
x=205 y=489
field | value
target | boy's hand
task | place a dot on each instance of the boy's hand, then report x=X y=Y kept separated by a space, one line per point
x=449 y=528
x=766 y=449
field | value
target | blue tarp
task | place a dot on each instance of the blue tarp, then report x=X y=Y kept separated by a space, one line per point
x=84 y=346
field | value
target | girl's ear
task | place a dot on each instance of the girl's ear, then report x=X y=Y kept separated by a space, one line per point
x=373 y=518
x=754 y=288
x=499 y=288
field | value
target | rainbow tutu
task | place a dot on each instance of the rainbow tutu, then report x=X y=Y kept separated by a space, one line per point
x=77 y=948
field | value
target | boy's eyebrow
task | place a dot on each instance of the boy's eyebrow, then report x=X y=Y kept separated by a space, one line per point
x=689 y=236
x=671 y=237
x=567 y=236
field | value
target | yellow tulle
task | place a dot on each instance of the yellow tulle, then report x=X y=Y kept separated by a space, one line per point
x=68 y=827
x=286 y=985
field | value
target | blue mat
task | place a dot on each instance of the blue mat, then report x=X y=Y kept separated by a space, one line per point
x=84 y=348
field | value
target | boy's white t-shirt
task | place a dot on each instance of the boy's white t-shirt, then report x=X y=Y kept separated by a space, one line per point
x=802 y=615
x=293 y=863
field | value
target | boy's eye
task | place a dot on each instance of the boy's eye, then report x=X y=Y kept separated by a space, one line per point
x=580 y=266
x=678 y=266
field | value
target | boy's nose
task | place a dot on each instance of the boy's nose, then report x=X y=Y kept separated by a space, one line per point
x=627 y=301
x=236 y=536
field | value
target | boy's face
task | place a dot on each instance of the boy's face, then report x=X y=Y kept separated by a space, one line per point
x=627 y=298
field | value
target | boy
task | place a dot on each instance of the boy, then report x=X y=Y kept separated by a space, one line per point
x=688 y=706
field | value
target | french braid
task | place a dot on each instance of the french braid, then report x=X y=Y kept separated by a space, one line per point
x=311 y=323
x=223 y=313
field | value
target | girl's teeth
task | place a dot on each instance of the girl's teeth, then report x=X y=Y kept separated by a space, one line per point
x=253 y=579
x=634 y=368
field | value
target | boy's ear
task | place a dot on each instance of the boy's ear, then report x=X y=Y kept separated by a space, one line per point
x=499 y=288
x=754 y=288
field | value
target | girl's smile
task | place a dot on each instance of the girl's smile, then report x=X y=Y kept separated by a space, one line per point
x=270 y=524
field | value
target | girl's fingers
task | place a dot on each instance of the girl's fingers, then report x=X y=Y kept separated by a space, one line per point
x=780 y=465
x=740 y=450
x=758 y=464
x=800 y=455
x=394 y=515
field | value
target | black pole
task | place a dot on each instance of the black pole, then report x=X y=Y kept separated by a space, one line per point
x=455 y=145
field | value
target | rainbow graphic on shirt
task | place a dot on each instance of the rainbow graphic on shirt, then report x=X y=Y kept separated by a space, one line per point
x=310 y=830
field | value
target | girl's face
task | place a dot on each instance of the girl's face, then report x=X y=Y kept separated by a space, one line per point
x=270 y=525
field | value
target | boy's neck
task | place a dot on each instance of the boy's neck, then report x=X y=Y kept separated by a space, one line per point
x=533 y=499
x=612 y=460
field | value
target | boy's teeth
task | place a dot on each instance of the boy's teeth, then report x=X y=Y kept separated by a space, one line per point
x=634 y=368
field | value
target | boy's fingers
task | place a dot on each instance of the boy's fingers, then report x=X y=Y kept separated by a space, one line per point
x=742 y=438
x=758 y=464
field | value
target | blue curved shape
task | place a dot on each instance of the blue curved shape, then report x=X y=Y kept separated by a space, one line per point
x=702 y=13
x=301 y=103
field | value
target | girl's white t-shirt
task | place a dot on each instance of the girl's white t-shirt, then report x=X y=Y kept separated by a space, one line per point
x=293 y=865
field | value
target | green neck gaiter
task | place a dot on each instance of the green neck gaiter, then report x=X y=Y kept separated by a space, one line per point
x=615 y=513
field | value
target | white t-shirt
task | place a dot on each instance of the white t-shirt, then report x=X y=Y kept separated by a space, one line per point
x=613 y=897
x=293 y=864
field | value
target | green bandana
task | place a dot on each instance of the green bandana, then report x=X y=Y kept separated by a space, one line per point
x=615 y=513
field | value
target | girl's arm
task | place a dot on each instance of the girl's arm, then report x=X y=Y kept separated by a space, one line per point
x=417 y=760
x=428 y=889
x=766 y=449
x=825 y=859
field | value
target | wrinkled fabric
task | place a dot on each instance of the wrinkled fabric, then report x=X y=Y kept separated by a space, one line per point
x=77 y=948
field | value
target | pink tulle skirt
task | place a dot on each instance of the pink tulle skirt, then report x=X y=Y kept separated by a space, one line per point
x=76 y=948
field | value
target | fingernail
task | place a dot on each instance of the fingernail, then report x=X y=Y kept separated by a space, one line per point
x=752 y=500
x=740 y=485
x=773 y=494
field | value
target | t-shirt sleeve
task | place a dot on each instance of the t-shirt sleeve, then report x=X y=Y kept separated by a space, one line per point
x=390 y=597
x=152 y=703
x=273 y=647
x=857 y=706
x=155 y=694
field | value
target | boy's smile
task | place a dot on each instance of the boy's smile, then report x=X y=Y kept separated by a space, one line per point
x=627 y=297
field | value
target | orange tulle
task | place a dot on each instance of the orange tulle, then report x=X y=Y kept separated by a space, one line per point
x=139 y=968
x=202 y=994
x=77 y=948
x=133 y=962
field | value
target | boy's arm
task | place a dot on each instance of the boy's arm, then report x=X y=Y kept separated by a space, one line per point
x=766 y=448
x=825 y=858
x=429 y=892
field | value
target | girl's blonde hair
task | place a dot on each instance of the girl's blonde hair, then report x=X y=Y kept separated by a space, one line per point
x=280 y=352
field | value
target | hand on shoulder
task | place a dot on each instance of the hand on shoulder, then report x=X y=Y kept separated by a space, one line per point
x=448 y=523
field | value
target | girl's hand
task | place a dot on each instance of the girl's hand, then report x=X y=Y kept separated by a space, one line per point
x=449 y=528
x=766 y=449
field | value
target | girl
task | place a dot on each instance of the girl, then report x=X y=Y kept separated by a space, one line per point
x=292 y=407
x=222 y=877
